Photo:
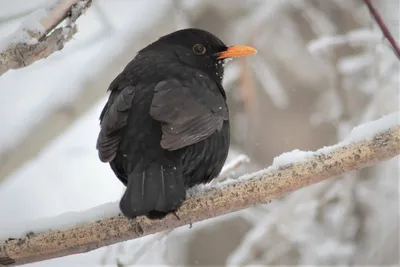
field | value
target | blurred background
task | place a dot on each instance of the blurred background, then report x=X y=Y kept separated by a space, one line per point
x=322 y=68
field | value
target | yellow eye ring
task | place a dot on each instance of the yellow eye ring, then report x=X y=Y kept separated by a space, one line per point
x=199 y=49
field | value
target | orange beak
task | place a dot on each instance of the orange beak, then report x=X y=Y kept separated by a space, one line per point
x=236 y=51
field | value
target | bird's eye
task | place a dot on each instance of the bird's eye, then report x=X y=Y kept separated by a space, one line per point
x=199 y=49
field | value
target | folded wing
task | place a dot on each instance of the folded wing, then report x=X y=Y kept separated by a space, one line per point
x=187 y=114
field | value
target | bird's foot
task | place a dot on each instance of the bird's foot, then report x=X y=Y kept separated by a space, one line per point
x=176 y=215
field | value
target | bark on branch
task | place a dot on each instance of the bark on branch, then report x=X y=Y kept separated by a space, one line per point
x=260 y=188
x=44 y=41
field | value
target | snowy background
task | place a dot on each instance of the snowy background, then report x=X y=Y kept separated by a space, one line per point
x=322 y=68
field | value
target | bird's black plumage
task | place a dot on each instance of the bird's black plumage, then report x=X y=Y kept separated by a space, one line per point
x=165 y=127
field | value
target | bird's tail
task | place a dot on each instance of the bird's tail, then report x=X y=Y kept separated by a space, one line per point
x=153 y=190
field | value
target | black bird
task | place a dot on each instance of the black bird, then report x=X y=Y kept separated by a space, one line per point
x=165 y=127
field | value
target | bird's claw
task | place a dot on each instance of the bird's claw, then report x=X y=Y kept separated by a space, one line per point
x=176 y=215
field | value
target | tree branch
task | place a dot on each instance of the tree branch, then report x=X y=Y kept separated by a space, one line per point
x=383 y=27
x=367 y=145
x=33 y=42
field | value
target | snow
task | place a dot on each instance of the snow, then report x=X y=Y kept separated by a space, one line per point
x=353 y=64
x=291 y=157
x=40 y=92
x=324 y=42
x=339 y=226
x=230 y=165
x=64 y=221
x=67 y=177
x=368 y=130
x=74 y=180
x=354 y=38
x=66 y=184
x=30 y=24
x=364 y=131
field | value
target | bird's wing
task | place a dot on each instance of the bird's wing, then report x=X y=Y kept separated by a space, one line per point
x=187 y=114
x=112 y=120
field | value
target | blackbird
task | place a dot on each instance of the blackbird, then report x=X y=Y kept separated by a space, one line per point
x=165 y=127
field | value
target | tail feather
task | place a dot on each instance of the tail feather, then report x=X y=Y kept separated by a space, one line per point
x=153 y=190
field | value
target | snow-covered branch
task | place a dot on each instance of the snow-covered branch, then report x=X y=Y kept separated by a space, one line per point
x=367 y=145
x=37 y=37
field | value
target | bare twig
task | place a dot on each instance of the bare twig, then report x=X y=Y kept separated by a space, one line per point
x=42 y=44
x=383 y=27
x=259 y=188
x=230 y=168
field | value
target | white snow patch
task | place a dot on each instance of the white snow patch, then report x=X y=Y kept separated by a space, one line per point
x=199 y=189
x=291 y=157
x=362 y=132
x=229 y=166
x=233 y=163
x=324 y=42
x=64 y=221
x=353 y=64
x=333 y=249
x=354 y=38
x=223 y=62
x=363 y=36
x=368 y=130
x=21 y=35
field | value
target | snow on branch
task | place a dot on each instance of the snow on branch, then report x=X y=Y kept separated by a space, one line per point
x=37 y=37
x=80 y=232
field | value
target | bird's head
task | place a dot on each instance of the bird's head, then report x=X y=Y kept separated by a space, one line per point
x=201 y=50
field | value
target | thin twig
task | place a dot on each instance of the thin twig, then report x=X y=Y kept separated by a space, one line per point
x=383 y=27
x=259 y=188
x=230 y=167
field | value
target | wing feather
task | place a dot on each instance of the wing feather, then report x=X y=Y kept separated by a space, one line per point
x=113 y=119
x=185 y=117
